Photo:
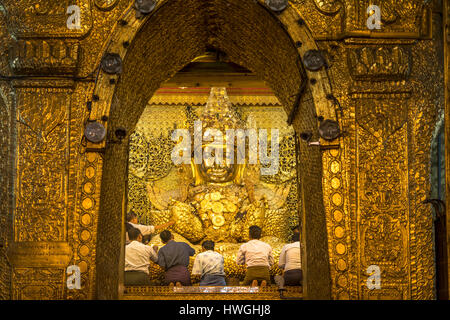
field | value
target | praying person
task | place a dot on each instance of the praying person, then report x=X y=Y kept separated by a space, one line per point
x=296 y=229
x=209 y=265
x=132 y=221
x=290 y=262
x=257 y=255
x=174 y=258
x=137 y=260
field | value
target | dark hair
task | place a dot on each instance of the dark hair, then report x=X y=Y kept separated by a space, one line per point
x=133 y=234
x=146 y=239
x=255 y=232
x=295 y=237
x=131 y=215
x=165 y=236
x=128 y=226
x=208 y=245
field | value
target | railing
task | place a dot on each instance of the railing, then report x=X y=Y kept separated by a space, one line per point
x=211 y=293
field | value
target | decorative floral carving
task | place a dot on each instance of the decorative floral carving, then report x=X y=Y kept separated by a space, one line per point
x=44 y=57
x=41 y=178
x=381 y=116
x=38 y=284
x=384 y=242
x=328 y=6
x=46 y=18
x=106 y=4
x=384 y=63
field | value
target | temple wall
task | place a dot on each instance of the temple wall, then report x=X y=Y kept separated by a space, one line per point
x=366 y=193
x=446 y=44
x=389 y=124
x=6 y=190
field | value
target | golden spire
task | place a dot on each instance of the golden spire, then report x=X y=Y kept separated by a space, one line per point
x=219 y=113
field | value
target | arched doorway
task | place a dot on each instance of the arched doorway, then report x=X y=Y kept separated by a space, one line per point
x=153 y=49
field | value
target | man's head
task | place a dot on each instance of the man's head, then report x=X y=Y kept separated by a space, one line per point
x=132 y=217
x=166 y=236
x=296 y=236
x=208 y=245
x=255 y=232
x=296 y=229
x=146 y=239
x=134 y=234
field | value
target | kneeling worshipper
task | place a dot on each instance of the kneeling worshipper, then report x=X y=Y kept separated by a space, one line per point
x=137 y=260
x=174 y=258
x=209 y=265
x=290 y=262
x=257 y=255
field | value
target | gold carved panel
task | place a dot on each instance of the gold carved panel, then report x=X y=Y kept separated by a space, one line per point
x=6 y=177
x=46 y=18
x=41 y=190
x=383 y=210
x=333 y=19
x=38 y=284
x=338 y=224
x=84 y=228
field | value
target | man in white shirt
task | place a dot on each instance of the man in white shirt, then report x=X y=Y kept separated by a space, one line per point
x=290 y=262
x=132 y=221
x=209 y=265
x=137 y=260
x=257 y=255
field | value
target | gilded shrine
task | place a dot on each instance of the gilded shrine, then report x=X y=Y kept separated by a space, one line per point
x=92 y=91
x=218 y=204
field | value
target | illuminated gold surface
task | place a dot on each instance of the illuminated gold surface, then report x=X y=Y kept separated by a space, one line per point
x=389 y=84
x=208 y=209
x=234 y=293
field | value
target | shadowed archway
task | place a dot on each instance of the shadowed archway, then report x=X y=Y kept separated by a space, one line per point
x=164 y=42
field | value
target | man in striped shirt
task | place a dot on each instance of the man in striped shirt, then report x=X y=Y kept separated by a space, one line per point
x=209 y=265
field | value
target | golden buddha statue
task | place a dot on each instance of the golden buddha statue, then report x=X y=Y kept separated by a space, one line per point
x=220 y=201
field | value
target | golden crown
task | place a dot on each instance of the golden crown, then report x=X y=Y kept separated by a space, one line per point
x=219 y=113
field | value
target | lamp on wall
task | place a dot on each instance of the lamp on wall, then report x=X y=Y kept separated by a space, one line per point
x=111 y=63
x=329 y=130
x=144 y=6
x=313 y=60
x=277 y=5
x=95 y=132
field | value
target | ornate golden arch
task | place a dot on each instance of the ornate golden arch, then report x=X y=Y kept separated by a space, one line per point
x=119 y=101
x=389 y=82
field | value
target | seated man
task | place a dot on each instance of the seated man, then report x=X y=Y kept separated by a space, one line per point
x=209 y=265
x=132 y=221
x=174 y=258
x=137 y=260
x=290 y=262
x=257 y=255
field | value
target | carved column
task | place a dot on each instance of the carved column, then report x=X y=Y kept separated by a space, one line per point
x=43 y=59
x=40 y=251
x=382 y=162
x=6 y=178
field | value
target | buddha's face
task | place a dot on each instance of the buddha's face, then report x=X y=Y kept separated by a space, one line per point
x=215 y=172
